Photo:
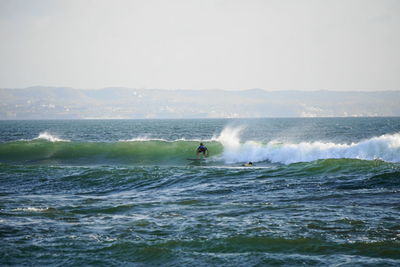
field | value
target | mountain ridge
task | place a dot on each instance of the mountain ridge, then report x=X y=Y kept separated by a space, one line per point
x=43 y=102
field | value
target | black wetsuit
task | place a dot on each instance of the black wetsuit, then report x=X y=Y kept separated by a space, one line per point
x=201 y=149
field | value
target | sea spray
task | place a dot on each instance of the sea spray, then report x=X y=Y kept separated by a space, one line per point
x=49 y=137
x=385 y=147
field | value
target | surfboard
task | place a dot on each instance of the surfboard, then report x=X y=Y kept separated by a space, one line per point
x=247 y=165
x=197 y=159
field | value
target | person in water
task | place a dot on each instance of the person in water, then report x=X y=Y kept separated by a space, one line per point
x=249 y=164
x=202 y=149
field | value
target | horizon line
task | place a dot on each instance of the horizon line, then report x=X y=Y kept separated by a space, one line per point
x=206 y=89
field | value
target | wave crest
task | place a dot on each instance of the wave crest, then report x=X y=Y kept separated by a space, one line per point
x=385 y=147
x=49 y=137
x=225 y=148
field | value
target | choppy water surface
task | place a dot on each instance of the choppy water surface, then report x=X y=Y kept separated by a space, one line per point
x=321 y=192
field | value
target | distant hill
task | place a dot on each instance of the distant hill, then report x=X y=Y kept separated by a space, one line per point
x=117 y=103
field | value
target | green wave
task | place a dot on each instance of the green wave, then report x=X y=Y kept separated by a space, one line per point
x=134 y=152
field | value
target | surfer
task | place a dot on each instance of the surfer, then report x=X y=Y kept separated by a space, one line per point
x=249 y=164
x=202 y=149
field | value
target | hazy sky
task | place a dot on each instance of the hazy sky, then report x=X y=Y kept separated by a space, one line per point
x=201 y=44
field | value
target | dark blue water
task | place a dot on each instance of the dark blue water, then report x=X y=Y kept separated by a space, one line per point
x=320 y=192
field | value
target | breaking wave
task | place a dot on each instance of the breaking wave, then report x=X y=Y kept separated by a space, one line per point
x=49 y=137
x=226 y=148
x=385 y=147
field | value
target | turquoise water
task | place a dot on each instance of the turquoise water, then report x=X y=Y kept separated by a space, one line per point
x=122 y=192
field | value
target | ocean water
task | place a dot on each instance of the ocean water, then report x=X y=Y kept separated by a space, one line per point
x=322 y=192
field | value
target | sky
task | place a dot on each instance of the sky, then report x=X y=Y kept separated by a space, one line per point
x=201 y=44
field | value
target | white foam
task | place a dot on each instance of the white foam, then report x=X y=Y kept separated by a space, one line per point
x=49 y=137
x=385 y=147
x=32 y=209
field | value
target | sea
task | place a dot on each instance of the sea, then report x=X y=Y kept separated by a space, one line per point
x=320 y=192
